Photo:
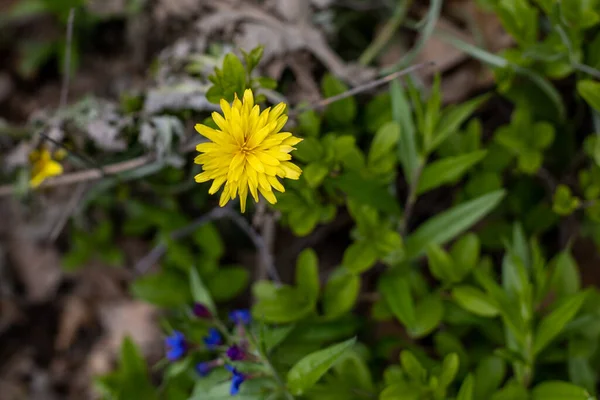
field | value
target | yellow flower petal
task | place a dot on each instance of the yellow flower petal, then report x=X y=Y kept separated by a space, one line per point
x=268 y=195
x=255 y=162
x=267 y=158
x=226 y=107
x=275 y=183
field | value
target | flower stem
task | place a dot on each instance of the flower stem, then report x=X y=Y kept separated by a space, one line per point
x=386 y=34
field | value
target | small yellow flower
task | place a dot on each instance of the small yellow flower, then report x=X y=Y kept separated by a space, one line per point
x=247 y=153
x=44 y=166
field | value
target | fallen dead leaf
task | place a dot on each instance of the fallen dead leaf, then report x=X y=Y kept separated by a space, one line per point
x=98 y=283
x=130 y=318
x=295 y=11
x=165 y=10
x=481 y=22
x=75 y=314
x=442 y=53
x=459 y=85
x=37 y=267
x=120 y=319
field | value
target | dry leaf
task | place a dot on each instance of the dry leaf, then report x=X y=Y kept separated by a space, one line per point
x=130 y=318
x=445 y=55
x=295 y=11
x=37 y=267
x=74 y=315
x=17 y=157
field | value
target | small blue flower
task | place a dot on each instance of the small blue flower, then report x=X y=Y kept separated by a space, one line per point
x=240 y=317
x=176 y=346
x=213 y=339
x=236 y=380
x=203 y=368
x=201 y=311
x=235 y=353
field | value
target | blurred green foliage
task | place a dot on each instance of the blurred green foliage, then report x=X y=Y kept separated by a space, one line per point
x=486 y=302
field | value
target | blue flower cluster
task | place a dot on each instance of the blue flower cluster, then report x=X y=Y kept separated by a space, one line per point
x=177 y=346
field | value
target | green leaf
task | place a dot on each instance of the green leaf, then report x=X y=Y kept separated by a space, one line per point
x=466 y=389
x=341 y=292
x=511 y=391
x=234 y=77
x=441 y=264
x=520 y=19
x=557 y=390
x=306 y=372
x=253 y=58
x=452 y=118
x=133 y=373
x=449 y=369
x=341 y=112
x=563 y=202
x=489 y=375
x=273 y=336
x=395 y=289
x=590 y=91
x=164 y=289
x=429 y=313
x=309 y=150
x=283 y=305
x=465 y=253
x=314 y=173
x=207 y=237
x=475 y=301
x=360 y=256
x=412 y=366
x=307 y=274
x=302 y=221
x=385 y=140
x=354 y=371
x=228 y=283
x=407 y=147
x=552 y=325
x=309 y=123
x=200 y=293
x=447 y=170
x=402 y=391
x=448 y=224
x=565 y=279
x=367 y=192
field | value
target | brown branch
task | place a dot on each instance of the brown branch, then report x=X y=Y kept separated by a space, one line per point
x=362 y=88
x=85 y=175
x=143 y=265
x=158 y=251
x=93 y=174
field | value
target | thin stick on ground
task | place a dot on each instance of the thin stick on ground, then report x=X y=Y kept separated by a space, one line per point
x=93 y=174
x=363 y=88
x=158 y=251
x=67 y=211
x=267 y=257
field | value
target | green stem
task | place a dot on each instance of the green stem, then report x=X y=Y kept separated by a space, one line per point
x=411 y=198
x=265 y=359
x=430 y=21
x=386 y=34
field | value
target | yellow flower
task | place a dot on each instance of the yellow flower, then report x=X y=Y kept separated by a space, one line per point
x=247 y=153
x=43 y=166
